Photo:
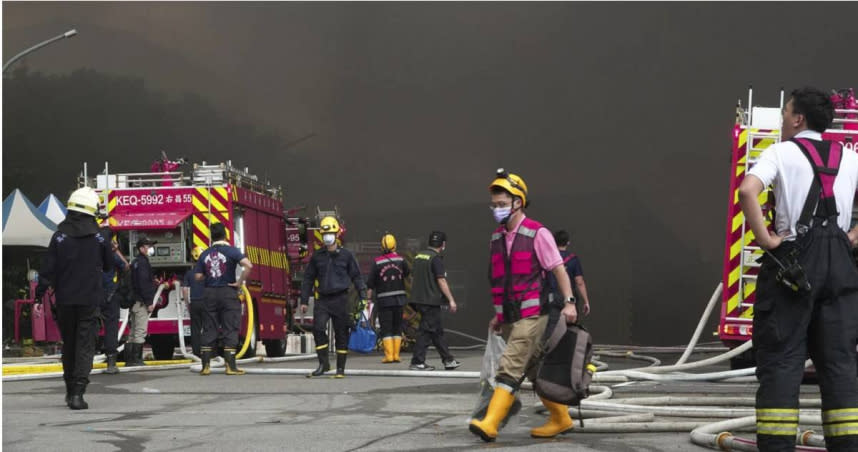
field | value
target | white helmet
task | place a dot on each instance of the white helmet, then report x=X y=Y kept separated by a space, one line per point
x=84 y=200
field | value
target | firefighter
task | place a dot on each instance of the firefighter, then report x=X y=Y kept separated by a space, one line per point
x=807 y=287
x=110 y=306
x=387 y=281
x=216 y=266
x=335 y=269
x=192 y=292
x=77 y=255
x=429 y=292
x=144 y=289
x=522 y=251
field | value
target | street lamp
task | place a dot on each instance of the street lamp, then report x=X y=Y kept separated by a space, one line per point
x=15 y=58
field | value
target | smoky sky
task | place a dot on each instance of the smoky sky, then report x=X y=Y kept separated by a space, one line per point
x=617 y=115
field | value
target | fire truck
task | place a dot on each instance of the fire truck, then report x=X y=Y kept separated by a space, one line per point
x=755 y=130
x=177 y=210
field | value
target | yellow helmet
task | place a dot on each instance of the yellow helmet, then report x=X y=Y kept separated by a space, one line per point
x=197 y=252
x=329 y=225
x=388 y=242
x=511 y=183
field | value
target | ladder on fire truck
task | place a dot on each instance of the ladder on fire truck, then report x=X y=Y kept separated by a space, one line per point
x=763 y=128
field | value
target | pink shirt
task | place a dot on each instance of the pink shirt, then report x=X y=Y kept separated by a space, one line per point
x=543 y=245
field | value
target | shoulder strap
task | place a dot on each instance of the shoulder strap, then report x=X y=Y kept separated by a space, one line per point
x=821 y=191
x=568 y=258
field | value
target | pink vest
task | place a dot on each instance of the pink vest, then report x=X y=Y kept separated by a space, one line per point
x=516 y=277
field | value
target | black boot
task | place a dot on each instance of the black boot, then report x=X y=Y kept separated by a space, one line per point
x=130 y=355
x=229 y=357
x=111 y=365
x=341 y=363
x=69 y=388
x=206 y=358
x=77 y=402
x=324 y=364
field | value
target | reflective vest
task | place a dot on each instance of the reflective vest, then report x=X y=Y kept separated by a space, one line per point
x=390 y=279
x=516 y=278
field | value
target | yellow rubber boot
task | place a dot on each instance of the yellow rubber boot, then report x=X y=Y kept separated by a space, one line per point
x=397 y=344
x=559 y=421
x=205 y=360
x=487 y=428
x=231 y=368
x=387 y=343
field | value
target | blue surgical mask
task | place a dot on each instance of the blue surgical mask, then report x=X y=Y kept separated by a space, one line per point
x=502 y=214
x=329 y=239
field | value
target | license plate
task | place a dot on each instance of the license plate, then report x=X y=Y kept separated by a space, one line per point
x=186 y=330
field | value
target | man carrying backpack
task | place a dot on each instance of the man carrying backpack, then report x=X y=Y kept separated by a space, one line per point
x=807 y=288
x=522 y=251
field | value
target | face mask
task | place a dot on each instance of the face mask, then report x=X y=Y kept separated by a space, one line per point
x=150 y=252
x=329 y=239
x=502 y=214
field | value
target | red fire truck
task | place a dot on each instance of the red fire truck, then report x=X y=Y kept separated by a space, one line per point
x=177 y=210
x=756 y=129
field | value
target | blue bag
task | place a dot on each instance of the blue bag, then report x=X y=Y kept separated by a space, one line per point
x=363 y=338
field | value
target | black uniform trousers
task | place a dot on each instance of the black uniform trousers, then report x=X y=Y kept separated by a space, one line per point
x=390 y=314
x=78 y=328
x=789 y=326
x=390 y=318
x=430 y=331
x=332 y=307
x=222 y=308
x=197 y=311
x=110 y=313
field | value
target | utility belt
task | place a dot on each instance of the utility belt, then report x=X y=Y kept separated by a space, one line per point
x=341 y=293
x=790 y=273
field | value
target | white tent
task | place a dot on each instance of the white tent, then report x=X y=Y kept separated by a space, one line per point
x=23 y=224
x=52 y=208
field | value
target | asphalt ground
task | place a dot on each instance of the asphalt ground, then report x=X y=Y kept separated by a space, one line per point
x=178 y=409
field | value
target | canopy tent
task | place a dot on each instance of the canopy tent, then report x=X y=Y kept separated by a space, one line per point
x=23 y=224
x=52 y=208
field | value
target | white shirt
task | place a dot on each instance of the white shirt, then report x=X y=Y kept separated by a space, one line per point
x=786 y=167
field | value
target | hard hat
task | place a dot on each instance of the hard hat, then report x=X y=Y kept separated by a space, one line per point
x=83 y=200
x=197 y=251
x=388 y=242
x=512 y=183
x=329 y=225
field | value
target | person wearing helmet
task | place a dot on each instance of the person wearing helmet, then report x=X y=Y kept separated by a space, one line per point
x=387 y=281
x=77 y=255
x=216 y=266
x=429 y=292
x=335 y=269
x=192 y=293
x=522 y=252
x=144 y=288
x=110 y=306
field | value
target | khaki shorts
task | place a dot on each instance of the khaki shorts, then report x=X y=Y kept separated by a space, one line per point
x=522 y=339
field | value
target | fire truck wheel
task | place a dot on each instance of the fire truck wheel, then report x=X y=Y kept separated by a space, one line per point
x=162 y=347
x=275 y=348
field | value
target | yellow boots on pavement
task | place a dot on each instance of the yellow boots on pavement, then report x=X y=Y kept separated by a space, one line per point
x=487 y=428
x=559 y=421
x=391 y=347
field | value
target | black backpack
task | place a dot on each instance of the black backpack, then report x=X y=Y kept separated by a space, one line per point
x=566 y=369
x=124 y=294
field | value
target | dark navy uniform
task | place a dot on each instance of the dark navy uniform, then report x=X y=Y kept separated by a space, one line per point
x=77 y=256
x=335 y=271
